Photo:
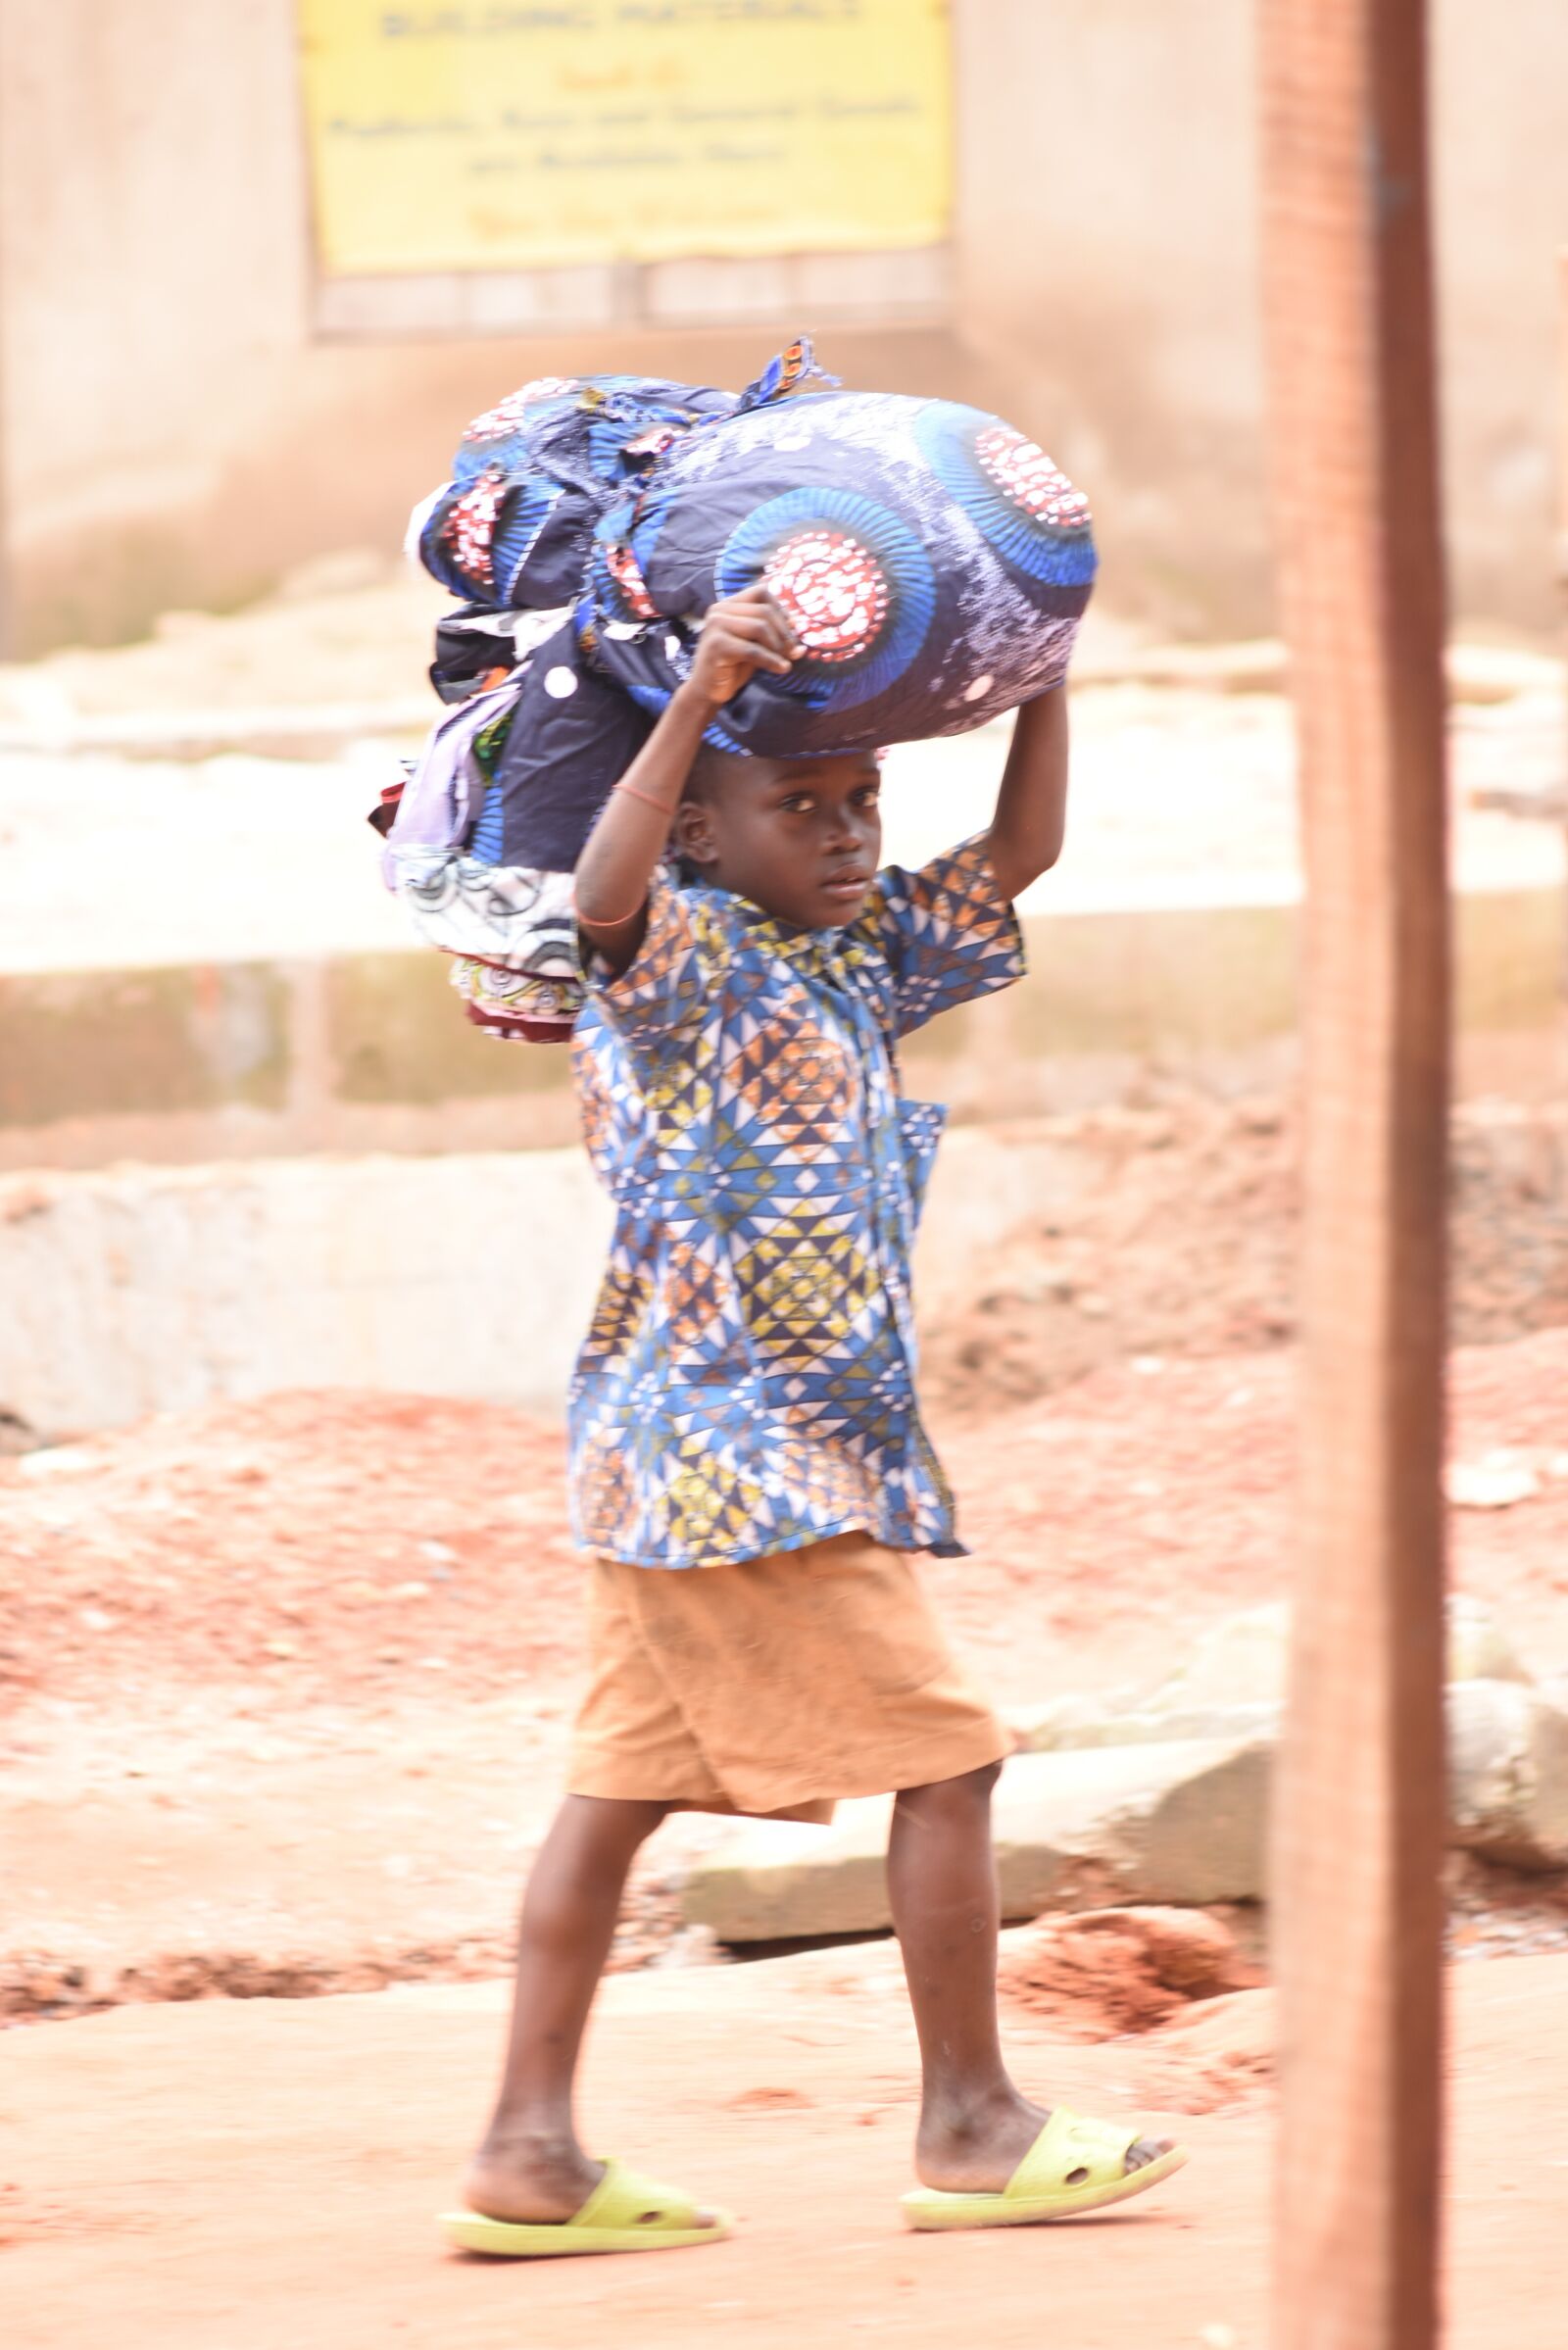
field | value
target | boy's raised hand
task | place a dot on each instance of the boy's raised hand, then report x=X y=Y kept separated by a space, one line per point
x=739 y=636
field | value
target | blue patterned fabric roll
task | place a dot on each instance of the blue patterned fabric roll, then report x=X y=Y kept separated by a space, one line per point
x=935 y=562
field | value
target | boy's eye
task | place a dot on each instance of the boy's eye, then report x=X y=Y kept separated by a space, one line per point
x=868 y=795
x=796 y=804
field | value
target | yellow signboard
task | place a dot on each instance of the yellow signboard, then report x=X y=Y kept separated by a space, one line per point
x=499 y=134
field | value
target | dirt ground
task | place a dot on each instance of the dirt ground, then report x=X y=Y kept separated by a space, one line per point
x=249 y=2172
x=332 y=1547
x=1184 y=1241
x=290 y=1681
x=286 y=1687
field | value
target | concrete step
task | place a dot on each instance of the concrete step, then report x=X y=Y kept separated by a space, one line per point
x=215 y=1051
x=1177 y=1823
x=1183 y=1822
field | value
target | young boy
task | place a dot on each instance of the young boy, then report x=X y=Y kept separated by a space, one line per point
x=747 y=1461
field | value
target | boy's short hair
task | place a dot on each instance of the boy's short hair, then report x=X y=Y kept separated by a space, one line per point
x=712 y=769
x=709 y=771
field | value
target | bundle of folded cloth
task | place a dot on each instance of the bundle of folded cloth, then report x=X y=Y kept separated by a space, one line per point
x=934 y=561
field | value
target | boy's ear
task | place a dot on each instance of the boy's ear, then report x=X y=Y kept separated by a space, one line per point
x=694 y=832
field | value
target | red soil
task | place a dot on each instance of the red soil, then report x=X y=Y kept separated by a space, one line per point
x=329 y=1544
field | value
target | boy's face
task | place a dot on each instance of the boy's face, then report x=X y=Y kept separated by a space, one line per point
x=799 y=837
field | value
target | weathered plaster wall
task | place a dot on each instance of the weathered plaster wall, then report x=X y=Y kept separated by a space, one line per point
x=175 y=428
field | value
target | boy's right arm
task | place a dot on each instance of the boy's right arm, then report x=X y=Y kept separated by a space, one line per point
x=741 y=635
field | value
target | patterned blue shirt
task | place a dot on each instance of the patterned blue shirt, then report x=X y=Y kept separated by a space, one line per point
x=748 y=1381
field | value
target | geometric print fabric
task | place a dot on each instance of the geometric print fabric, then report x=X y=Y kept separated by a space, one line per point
x=747 y=1384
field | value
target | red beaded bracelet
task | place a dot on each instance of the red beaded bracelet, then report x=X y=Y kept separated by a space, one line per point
x=632 y=793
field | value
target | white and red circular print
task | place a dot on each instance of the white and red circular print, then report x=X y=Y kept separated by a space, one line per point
x=470 y=528
x=1023 y=473
x=509 y=413
x=627 y=572
x=833 y=588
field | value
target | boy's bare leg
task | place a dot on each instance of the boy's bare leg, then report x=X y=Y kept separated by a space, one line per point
x=975 y=2126
x=530 y=2165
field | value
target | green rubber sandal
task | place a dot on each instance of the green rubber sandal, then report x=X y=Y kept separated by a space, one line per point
x=1073 y=2166
x=625 y=2213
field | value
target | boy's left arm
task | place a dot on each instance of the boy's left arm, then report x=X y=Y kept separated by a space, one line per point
x=949 y=931
x=1031 y=818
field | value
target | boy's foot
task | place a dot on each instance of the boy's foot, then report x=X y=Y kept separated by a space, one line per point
x=975 y=2151
x=537 y=2181
x=530 y=2179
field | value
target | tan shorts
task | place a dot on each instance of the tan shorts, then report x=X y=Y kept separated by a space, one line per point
x=774 y=1686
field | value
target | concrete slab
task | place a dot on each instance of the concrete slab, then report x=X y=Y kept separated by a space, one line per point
x=1173 y=1820
x=136 y=1288
x=368 y=1048
x=1178 y=1823
x=130 y=888
x=1509 y=1773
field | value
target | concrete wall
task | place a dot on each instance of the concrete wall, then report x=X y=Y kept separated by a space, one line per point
x=176 y=427
x=135 y=1289
x=1124 y=303
x=369 y=1051
x=1106 y=275
x=142 y=1289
